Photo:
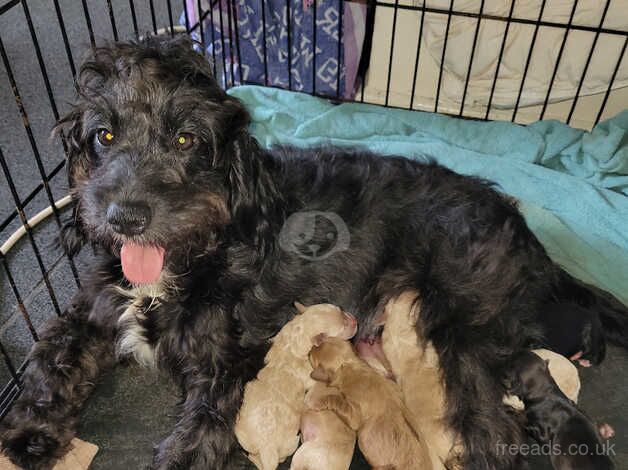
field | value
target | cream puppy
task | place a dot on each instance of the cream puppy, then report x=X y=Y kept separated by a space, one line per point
x=268 y=422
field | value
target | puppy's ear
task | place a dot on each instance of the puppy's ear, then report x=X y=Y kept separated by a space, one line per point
x=318 y=339
x=300 y=307
x=320 y=375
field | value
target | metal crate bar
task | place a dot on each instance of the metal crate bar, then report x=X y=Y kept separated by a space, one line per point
x=134 y=18
x=170 y=19
x=416 y=60
x=442 y=58
x=29 y=232
x=475 y=41
x=499 y=60
x=231 y=42
x=201 y=17
x=13 y=215
x=558 y=58
x=18 y=297
x=112 y=19
x=237 y=41
x=588 y=62
x=314 y=17
x=186 y=15
x=8 y=362
x=338 y=57
x=88 y=22
x=264 y=47
x=7 y=6
x=528 y=59
x=64 y=35
x=392 y=51
x=288 y=26
x=610 y=84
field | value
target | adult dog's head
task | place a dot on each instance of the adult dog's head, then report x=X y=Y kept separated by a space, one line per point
x=160 y=160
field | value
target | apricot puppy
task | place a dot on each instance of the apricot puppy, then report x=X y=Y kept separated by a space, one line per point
x=327 y=442
x=369 y=404
x=268 y=422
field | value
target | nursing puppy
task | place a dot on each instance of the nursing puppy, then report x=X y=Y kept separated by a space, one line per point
x=574 y=332
x=413 y=363
x=328 y=443
x=371 y=405
x=268 y=422
x=554 y=419
x=415 y=366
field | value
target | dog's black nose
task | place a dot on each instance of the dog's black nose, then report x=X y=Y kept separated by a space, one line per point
x=129 y=218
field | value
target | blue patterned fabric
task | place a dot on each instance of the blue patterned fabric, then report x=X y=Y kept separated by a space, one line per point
x=221 y=44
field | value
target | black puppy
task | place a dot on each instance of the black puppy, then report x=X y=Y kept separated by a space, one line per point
x=555 y=420
x=574 y=332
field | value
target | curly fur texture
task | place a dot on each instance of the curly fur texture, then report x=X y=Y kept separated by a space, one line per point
x=228 y=285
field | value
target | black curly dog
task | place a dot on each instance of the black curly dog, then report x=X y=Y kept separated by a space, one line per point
x=176 y=195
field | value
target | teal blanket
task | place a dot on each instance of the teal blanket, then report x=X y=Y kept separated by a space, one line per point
x=572 y=184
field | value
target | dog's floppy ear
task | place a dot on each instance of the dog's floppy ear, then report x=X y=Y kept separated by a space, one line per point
x=318 y=339
x=70 y=128
x=254 y=200
x=320 y=375
x=300 y=307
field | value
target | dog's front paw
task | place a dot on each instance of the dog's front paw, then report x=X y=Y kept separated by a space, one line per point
x=32 y=447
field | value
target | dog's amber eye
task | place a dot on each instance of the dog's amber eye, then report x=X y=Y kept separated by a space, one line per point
x=184 y=141
x=105 y=137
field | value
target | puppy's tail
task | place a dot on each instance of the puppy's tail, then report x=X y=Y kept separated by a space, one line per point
x=613 y=314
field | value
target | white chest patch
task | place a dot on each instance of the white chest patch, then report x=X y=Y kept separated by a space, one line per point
x=131 y=340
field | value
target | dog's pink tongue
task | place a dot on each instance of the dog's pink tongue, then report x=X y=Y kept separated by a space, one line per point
x=141 y=264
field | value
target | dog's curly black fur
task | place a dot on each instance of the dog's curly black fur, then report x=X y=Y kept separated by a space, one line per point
x=228 y=285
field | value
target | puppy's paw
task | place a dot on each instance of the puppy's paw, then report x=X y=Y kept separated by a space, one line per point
x=606 y=431
x=316 y=402
x=32 y=447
